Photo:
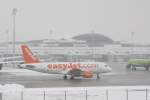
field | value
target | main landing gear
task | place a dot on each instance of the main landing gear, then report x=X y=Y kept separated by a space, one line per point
x=72 y=77
x=65 y=77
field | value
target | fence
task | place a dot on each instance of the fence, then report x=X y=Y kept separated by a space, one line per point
x=78 y=93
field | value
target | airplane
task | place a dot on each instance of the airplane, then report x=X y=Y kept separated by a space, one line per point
x=72 y=69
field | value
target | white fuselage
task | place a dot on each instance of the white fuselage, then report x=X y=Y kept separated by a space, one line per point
x=64 y=67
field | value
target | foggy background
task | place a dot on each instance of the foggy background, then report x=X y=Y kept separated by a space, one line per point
x=117 y=19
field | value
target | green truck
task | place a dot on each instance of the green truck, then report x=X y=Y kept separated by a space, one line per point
x=133 y=63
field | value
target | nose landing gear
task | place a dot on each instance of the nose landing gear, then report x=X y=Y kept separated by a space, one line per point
x=98 y=76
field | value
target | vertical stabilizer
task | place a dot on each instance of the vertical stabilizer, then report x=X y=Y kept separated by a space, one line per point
x=28 y=55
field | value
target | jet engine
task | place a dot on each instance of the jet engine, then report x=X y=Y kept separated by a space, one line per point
x=87 y=74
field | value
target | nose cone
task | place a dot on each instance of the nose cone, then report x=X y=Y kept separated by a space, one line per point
x=109 y=69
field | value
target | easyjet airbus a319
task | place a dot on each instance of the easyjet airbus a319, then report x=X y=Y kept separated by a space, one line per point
x=71 y=69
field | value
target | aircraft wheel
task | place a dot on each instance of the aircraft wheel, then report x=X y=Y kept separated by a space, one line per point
x=65 y=77
x=98 y=76
x=133 y=68
x=128 y=66
x=147 y=67
x=72 y=77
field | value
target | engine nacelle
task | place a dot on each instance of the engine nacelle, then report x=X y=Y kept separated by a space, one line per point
x=87 y=74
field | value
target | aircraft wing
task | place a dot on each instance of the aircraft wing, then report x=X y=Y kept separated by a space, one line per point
x=2 y=63
x=12 y=62
x=10 y=58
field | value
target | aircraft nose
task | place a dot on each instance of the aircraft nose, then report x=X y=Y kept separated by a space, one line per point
x=109 y=69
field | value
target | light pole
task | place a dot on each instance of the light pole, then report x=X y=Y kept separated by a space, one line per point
x=132 y=40
x=7 y=42
x=93 y=44
x=51 y=34
x=14 y=11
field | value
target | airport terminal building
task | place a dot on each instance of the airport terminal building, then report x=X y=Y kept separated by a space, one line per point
x=79 y=50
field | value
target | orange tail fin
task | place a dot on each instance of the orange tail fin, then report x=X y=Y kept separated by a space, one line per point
x=28 y=55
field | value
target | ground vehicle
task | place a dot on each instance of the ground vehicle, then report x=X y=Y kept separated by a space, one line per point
x=133 y=63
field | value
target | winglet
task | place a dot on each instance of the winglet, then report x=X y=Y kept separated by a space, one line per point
x=28 y=55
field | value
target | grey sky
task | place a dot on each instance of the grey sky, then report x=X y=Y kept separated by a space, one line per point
x=113 y=18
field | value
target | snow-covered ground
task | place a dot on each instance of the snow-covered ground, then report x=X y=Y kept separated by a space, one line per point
x=26 y=72
x=18 y=92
